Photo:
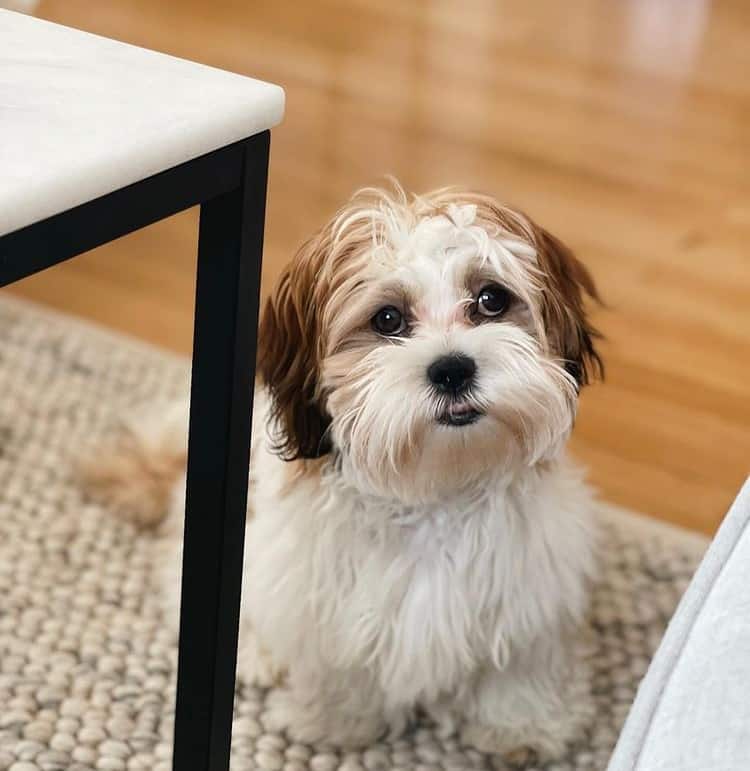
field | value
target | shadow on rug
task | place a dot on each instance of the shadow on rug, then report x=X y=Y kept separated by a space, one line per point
x=87 y=666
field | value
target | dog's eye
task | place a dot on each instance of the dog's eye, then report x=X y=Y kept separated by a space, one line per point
x=493 y=300
x=389 y=321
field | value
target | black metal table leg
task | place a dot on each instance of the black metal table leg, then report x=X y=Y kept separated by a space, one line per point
x=226 y=314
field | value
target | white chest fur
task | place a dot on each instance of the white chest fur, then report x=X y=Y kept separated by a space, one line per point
x=418 y=598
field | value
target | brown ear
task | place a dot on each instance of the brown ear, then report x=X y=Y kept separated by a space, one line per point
x=288 y=358
x=569 y=332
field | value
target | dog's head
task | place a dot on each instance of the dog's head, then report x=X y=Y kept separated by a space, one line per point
x=427 y=341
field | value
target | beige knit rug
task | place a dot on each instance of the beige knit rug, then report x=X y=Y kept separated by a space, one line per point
x=86 y=664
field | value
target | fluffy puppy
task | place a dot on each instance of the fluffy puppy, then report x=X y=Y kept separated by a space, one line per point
x=416 y=537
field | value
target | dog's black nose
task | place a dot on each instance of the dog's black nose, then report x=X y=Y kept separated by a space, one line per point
x=452 y=374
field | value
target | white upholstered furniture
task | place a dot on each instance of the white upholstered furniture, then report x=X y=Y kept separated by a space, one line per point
x=692 y=712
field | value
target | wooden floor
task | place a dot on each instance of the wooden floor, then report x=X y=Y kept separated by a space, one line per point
x=625 y=127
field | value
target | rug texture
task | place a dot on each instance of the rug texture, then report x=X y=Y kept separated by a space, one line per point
x=87 y=665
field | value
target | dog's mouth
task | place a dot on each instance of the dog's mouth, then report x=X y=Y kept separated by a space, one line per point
x=459 y=415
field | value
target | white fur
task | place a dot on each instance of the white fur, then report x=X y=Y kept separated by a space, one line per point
x=421 y=565
x=371 y=608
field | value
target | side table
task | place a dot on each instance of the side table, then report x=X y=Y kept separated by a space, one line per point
x=97 y=139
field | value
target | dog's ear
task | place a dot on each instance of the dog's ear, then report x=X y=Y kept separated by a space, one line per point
x=289 y=349
x=566 y=284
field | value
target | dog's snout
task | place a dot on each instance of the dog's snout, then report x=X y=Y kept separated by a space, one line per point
x=453 y=373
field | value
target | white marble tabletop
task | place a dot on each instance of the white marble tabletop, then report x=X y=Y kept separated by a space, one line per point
x=81 y=115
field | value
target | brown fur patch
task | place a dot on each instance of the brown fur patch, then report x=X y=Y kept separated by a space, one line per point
x=134 y=477
x=293 y=336
x=570 y=334
x=288 y=356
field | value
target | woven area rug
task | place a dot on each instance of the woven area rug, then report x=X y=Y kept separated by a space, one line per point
x=87 y=666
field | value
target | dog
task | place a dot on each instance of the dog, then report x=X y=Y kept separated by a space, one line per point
x=417 y=539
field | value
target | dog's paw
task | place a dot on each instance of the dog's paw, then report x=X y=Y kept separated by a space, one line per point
x=314 y=723
x=519 y=747
x=255 y=665
x=522 y=757
x=284 y=715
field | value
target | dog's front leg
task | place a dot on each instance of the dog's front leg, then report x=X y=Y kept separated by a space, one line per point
x=533 y=710
x=343 y=708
